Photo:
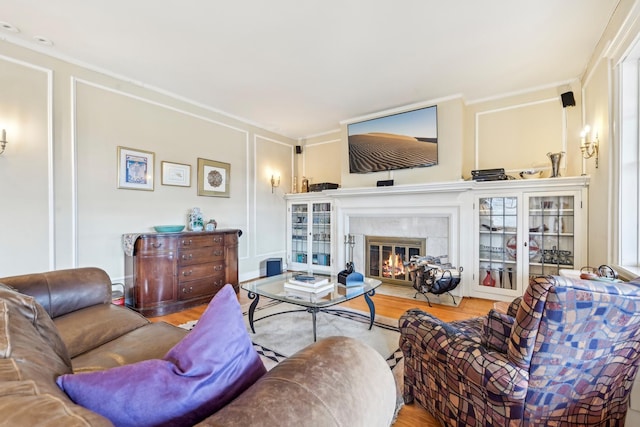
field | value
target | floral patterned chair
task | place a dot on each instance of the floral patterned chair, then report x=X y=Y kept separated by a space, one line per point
x=565 y=354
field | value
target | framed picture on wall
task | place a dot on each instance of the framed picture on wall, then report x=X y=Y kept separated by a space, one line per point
x=177 y=174
x=135 y=169
x=213 y=178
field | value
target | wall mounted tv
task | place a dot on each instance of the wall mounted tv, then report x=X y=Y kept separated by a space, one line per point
x=399 y=141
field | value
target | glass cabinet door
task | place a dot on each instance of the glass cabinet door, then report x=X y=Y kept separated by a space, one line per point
x=551 y=234
x=523 y=235
x=498 y=229
x=299 y=234
x=321 y=234
x=310 y=227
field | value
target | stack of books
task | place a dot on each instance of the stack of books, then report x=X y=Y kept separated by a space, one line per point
x=309 y=288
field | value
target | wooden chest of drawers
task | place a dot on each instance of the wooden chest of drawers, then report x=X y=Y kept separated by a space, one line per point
x=169 y=272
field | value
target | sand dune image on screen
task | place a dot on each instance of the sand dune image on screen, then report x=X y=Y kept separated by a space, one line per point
x=373 y=152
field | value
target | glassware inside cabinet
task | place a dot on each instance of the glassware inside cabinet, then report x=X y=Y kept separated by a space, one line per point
x=551 y=228
x=498 y=248
x=321 y=234
x=299 y=224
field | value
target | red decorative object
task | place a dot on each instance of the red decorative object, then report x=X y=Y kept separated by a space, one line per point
x=489 y=280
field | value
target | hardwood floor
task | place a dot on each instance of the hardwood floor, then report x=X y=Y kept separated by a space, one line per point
x=387 y=306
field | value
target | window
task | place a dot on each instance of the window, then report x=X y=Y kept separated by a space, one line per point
x=629 y=163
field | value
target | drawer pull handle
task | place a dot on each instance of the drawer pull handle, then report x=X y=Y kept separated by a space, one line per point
x=189 y=273
x=156 y=245
x=186 y=257
x=218 y=267
x=185 y=291
x=185 y=243
x=217 y=253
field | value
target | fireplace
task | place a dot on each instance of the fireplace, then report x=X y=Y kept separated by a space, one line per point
x=385 y=257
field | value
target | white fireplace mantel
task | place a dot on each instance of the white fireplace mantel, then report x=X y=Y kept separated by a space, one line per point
x=448 y=205
x=440 y=187
x=446 y=187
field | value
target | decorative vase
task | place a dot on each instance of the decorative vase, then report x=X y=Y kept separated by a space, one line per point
x=555 y=158
x=489 y=280
x=211 y=225
x=196 y=221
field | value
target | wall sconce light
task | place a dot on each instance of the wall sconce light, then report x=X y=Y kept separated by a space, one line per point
x=3 y=141
x=587 y=147
x=275 y=182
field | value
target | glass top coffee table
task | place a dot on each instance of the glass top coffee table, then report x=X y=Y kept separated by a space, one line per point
x=273 y=288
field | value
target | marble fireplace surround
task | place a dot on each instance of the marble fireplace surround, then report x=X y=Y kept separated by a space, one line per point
x=434 y=229
x=412 y=212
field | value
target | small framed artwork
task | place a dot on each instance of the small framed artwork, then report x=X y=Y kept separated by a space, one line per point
x=177 y=174
x=213 y=178
x=135 y=169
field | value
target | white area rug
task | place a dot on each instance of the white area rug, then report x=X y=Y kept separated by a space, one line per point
x=286 y=329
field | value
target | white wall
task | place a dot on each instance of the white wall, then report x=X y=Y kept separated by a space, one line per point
x=516 y=131
x=63 y=209
x=595 y=98
x=25 y=167
x=321 y=159
x=274 y=157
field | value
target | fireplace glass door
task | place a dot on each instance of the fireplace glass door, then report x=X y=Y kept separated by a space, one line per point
x=386 y=257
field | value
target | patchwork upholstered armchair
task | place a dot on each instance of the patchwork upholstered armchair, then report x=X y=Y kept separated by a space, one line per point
x=565 y=354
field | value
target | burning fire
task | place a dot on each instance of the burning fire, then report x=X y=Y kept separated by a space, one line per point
x=393 y=266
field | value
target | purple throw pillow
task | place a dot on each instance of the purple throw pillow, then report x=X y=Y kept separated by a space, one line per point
x=206 y=370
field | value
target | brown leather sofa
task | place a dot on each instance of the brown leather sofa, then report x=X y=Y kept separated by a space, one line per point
x=337 y=381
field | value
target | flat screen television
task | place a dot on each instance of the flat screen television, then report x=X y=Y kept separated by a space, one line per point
x=399 y=141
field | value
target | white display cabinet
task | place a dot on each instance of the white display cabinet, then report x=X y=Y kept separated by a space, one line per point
x=310 y=229
x=524 y=234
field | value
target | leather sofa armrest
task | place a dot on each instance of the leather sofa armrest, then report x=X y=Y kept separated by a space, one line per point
x=337 y=381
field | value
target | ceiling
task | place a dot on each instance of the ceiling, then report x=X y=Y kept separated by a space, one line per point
x=299 y=68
